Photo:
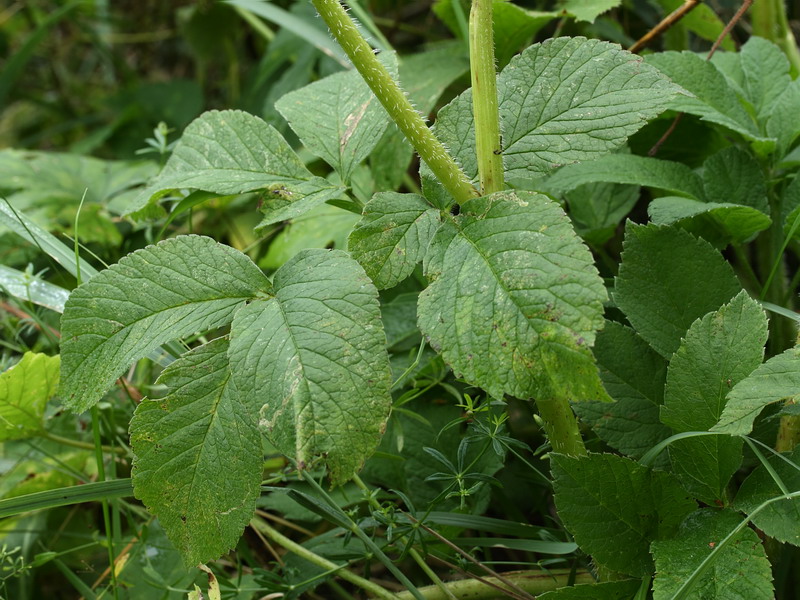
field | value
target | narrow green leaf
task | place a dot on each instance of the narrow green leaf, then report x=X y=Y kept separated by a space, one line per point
x=718 y=351
x=231 y=152
x=740 y=570
x=315 y=357
x=154 y=295
x=719 y=223
x=26 y=286
x=628 y=168
x=25 y=389
x=615 y=507
x=609 y=590
x=338 y=118
x=764 y=75
x=198 y=455
x=779 y=520
x=77 y=494
x=634 y=375
x=667 y=279
x=776 y=379
x=393 y=236
x=713 y=98
x=514 y=299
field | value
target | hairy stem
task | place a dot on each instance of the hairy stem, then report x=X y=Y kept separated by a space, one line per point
x=303 y=552
x=561 y=426
x=410 y=122
x=484 y=97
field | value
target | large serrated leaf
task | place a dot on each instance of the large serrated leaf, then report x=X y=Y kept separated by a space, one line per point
x=514 y=299
x=717 y=352
x=198 y=455
x=314 y=356
x=740 y=571
x=392 y=236
x=25 y=389
x=231 y=152
x=338 y=118
x=157 y=294
x=776 y=379
x=667 y=279
x=615 y=507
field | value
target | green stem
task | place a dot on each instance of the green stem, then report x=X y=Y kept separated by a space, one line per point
x=83 y=445
x=429 y=148
x=101 y=476
x=412 y=552
x=484 y=97
x=770 y=22
x=533 y=582
x=320 y=561
x=561 y=426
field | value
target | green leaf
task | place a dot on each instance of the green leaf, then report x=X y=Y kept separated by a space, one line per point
x=719 y=223
x=76 y=494
x=614 y=507
x=739 y=570
x=781 y=519
x=588 y=10
x=782 y=123
x=280 y=202
x=25 y=389
x=628 y=168
x=717 y=352
x=338 y=118
x=514 y=299
x=609 y=590
x=392 y=236
x=764 y=72
x=324 y=227
x=231 y=152
x=776 y=379
x=157 y=294
x=733 y=175
x=702 y=21
x=713 y=98
x=634 y=375
x=315 y=357
x=26 y=286
x=667 y=279
x=570 y=99
x=198 y=455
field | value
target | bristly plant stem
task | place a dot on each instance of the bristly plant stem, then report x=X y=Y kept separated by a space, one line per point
x=769 y=21
x=484 y=97
x=410 y=122
x=561 y=426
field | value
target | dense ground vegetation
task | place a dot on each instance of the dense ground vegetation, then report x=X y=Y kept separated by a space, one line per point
x=266 y=334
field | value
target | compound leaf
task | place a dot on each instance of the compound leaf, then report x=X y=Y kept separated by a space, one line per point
x=25 y=389
x=313 y=357
x=514 y=299
x=667 y=279
x=157 y=294
x=614 y=507
x=392 y=236
x=198 y=455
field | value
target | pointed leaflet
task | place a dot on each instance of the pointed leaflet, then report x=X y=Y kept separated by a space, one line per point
x=634 y=375
x=776 y=379
x=157 y=294
x=717 y=352
x=739 y=571
x=667 y=279
x=561 y=101
x=781 y=519
x=25 y=389
x=231 y=152
x=338 y=118
x=198 y=455
x=514 y=299
x=392 y=236
x=614 y=507
x=628 y=168
x=314 y=356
